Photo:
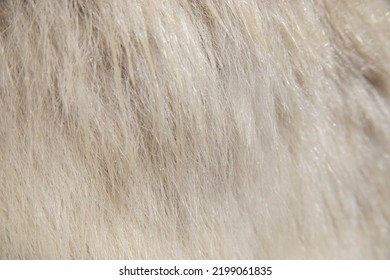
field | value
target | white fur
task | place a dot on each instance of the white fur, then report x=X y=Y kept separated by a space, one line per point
x=194 y=129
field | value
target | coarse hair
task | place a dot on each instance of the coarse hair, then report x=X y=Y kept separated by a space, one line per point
x=196 y=129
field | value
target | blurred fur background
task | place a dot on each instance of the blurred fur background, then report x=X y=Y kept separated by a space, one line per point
x=194 y=129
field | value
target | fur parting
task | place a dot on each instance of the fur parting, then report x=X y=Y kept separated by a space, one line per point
x=194 y=129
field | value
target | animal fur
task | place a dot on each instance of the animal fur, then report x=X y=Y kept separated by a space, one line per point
x=194 y=129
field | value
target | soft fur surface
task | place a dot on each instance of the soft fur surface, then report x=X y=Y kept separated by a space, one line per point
x=194 y=129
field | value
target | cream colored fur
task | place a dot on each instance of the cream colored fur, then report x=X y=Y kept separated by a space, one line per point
x=194 y=129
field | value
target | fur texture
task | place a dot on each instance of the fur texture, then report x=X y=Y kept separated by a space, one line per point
x=194 y=129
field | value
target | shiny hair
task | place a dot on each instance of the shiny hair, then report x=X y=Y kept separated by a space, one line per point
x=194 y=129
